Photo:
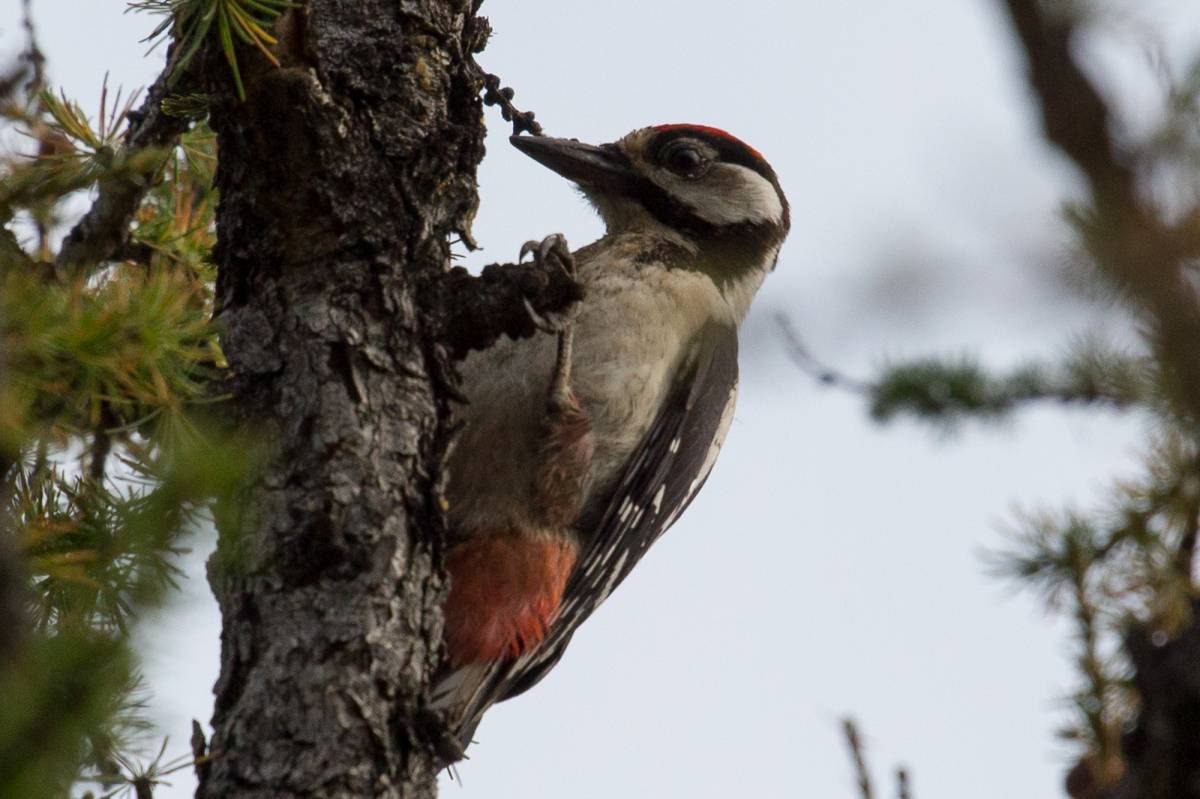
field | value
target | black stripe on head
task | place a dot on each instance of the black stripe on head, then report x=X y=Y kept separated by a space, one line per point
x=725 y=242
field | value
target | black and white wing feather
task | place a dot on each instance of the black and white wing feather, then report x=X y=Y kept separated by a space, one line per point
x=664 y=474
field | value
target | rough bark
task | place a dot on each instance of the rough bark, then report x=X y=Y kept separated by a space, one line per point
x=341 y=178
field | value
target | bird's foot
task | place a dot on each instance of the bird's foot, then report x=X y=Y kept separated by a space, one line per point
x=554 y=249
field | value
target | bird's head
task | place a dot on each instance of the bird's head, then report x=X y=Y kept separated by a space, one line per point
x=716 y=193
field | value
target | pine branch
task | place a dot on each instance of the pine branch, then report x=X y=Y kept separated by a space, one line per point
x=946 y=391
x=102 y=231
x=1132 y=244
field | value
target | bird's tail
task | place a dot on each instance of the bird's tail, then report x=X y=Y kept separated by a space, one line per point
x=459 y=698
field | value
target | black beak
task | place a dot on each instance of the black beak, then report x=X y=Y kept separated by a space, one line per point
x=591 y=167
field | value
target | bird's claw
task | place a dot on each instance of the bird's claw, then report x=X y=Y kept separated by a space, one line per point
x=554 y=323
x=553 y=246
x=545 y=323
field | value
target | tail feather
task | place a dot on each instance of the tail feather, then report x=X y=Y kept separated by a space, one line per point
x=461 y=697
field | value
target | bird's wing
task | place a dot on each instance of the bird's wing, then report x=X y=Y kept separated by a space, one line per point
x=662 y=477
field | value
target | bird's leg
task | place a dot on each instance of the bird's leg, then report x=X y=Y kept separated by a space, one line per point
x=555 y=246
x=567 y=444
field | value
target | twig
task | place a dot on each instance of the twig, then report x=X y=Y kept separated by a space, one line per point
x=857 y=755
x=105 y=227
x=495 y=94
x=809 y=364
x=143 y=788
x=101 y=444
x=903 y=787
x=1185 y=553
x=200 y=753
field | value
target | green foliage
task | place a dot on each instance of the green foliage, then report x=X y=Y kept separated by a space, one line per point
x=109 y=451
x=948 y=392
x=58 y=713
x=1130 y=562
x=230 y=21
x=134 y=347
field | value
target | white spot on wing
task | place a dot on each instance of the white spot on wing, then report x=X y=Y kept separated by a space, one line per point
x=613 y=577
x=658 y=496
x=714 y=448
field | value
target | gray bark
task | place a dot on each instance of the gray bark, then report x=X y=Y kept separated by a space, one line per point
x=341 y=178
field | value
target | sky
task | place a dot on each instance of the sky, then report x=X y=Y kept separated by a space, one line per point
x=831 y=567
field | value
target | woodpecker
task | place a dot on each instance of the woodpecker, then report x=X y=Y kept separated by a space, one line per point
x=582 y=445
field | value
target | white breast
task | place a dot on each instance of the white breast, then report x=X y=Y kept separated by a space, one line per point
x=633 y=331
x=636 y=321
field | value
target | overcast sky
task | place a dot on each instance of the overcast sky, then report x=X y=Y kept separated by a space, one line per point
x=830 y=567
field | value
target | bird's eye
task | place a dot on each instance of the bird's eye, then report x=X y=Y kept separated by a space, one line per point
x=684 y=160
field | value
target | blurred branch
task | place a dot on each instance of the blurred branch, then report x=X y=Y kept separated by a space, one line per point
x=862 y=773
x=101 y=232
x=12 y=599
x=854 y=744
x=808 y=363
x=1185 y=554
x=33 y=54
x=1132 y=244
x=945 y=391
x=101 y=444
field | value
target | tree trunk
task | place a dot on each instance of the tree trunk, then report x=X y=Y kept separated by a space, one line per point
x=341 y=178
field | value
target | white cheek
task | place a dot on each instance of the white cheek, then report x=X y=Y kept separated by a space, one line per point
x=733 y=194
